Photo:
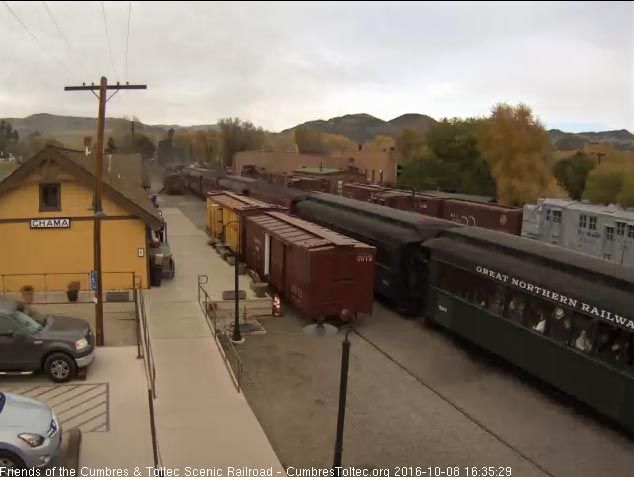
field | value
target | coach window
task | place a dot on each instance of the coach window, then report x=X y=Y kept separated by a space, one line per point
x=516 y=308
x=609 y=233
x=592 y=224
x=557 y=216
x=630 y=231
x=548 y=215
x=583 y=333
x=583 y=221
x=611 y=343
x=560 y=325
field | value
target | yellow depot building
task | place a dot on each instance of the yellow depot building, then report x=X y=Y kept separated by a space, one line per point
x=47 y=223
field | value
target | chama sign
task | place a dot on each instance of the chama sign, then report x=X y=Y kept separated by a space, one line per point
x=52 y=223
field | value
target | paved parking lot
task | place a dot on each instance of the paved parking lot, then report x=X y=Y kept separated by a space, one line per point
x=78 y=406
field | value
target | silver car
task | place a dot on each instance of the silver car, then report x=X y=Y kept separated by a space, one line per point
x=30 y=434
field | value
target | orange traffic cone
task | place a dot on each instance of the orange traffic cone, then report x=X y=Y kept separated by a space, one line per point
x=277 y=306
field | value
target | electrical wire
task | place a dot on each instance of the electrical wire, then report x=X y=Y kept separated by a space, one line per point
x=39 y=43
x=103 y=10
x=59 y=30
x=127 y=41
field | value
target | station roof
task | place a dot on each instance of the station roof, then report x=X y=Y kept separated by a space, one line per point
x=121 y=182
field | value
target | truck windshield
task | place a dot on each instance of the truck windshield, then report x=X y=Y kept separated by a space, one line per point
x=29 y=323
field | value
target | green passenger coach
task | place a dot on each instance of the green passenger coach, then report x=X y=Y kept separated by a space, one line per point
x=562 y=316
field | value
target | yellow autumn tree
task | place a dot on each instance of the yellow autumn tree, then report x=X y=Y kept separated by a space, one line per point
x=516 y=146
x=382 y=142
x=337 y=143
x=280 y=142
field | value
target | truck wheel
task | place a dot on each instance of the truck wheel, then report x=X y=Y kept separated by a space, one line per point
x=173 y=272
x=60 y=367
x=9 y=460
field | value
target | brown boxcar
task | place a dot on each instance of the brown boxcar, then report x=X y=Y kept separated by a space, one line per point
x=321 y=272
x=428 y=205
x=361 y=191
x=488 y=216
x=308 y=183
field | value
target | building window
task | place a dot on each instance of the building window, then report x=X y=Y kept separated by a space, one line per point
x=583 y=221
x=556 y=216
x=620 y=228
x=609 y=233
x=547 y=215
x=50 y=198
x=630 y=231
x=593 y=223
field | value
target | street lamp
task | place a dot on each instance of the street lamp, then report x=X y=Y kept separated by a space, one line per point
x=237 y=336
x=322 y=329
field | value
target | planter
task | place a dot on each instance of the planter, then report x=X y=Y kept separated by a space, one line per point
x=242 y=269
x=72 y=295
x=28 y=293
x=231 y=260
x=225 y=253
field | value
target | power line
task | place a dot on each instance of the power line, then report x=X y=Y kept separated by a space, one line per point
x=39 y=43
x=103 y=10
x=127 y=41
x=61 y=33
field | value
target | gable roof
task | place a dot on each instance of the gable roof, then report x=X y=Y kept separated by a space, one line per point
x=120 y=184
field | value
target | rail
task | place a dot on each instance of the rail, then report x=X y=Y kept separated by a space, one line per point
x=229 y=354
x=144 y=351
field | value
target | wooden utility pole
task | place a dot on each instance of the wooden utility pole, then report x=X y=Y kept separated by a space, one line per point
x=98 y=212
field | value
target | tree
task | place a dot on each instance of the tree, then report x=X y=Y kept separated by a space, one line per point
x=282 y=142
x=425 y=171
x=455 y=142
x=571 y=173
x=517 y=148
x=626 y=196
x=308 y=140
x=409 y=143
x=383 y=143
x=238 y=135
x=604 y=184
x=337 y=143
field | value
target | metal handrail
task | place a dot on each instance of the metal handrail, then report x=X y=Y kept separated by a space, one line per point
x=144 y=333
x=220 y=336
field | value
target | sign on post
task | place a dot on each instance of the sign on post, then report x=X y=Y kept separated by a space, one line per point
x=93 y=280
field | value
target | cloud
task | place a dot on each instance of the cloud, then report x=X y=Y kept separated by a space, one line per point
x=278 y=64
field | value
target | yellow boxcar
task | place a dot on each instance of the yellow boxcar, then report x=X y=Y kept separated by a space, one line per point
x=225 y=214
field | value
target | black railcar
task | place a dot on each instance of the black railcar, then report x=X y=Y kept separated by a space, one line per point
x=401 y=269
x=562 y=316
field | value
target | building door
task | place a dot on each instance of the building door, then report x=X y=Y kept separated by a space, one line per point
x=608 y=242
x=555 y=225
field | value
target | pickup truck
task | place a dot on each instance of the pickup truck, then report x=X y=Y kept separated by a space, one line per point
x=57 y=345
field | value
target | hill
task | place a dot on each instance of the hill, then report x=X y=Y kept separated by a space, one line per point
x=71 y=130
x=364 y=127
x=622 y=139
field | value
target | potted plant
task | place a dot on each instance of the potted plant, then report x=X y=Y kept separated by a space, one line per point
x=72 y=290
x=27 y=294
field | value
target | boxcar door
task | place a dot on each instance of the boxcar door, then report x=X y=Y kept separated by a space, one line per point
x=278 y=259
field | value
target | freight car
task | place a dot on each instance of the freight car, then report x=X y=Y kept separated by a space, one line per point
x=316 y=269
x=485 y=215
x=559 y=315
x=397 y=236
x=173 y=180
x=362 y=192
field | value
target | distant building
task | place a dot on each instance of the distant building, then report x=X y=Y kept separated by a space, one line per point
x=603 y=231
x=378 y=167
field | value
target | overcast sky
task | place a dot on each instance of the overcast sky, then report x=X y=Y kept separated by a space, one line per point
x=279 y=64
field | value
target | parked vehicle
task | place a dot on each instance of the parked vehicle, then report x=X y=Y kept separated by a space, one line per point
x=59 y=346
x=30 y=434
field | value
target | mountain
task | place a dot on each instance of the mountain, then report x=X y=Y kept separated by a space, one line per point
x=622 y=139
x=71 y=130
x=364 y=127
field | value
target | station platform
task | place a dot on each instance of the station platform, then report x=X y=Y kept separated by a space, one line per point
x=201 y=419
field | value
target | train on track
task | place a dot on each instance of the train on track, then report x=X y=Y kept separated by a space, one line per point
x=562 y=316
